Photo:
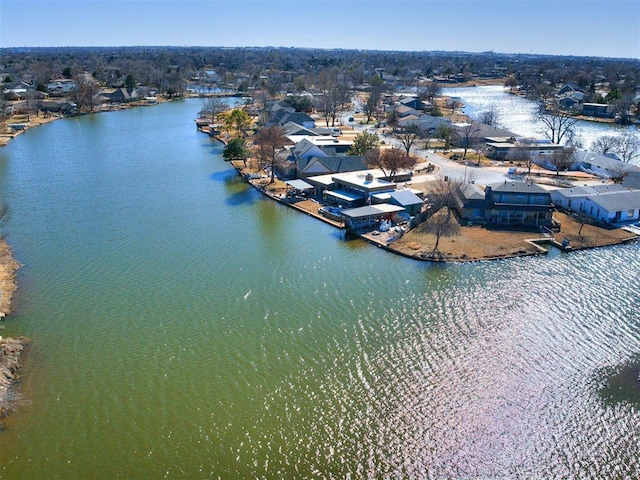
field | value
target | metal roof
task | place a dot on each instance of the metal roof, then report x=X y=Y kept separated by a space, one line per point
x=299 y=184
x=372 y=210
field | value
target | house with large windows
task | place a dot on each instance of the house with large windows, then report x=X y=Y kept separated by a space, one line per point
x=506 y=205
x=518 y=204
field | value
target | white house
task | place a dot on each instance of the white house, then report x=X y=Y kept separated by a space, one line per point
x=604 y=203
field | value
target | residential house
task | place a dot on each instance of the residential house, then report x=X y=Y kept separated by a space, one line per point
x=60 y=87
x=602 y=165
x=604 y=203
x=123 y=95
x=470 y=204
x=351 y=189
x=568 y=88
x=622 y=207
x=571 y=101
x=317 y=146
x=600 y=110
x=518 y=204
x=427 y=123
x=504 y=148
x=415 y=103
x=282 y=116
x=409 y=200
x=312 y=166
x=403 y=111
x=572 y=198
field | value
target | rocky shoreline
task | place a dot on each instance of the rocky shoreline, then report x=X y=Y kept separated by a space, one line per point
x=11 y=349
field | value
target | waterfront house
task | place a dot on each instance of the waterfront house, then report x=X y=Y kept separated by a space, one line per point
x=569 y=88
x=319 y=146
x=282 y=116
x=518 y=204
x=572 y=101
x=312 y=166
x=408 y=200
x=504 y=148
x=123 y=95
x=415 y=103
x=60 y=87
x=572 y=198
x=350 y=189
x=604 y=203
x=470 y=204
x=602 y=165
x=600 y=110
x=622 y=207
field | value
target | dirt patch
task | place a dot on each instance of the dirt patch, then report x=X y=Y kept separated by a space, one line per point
x=11 y=350
x=8 y=267
x=479 y=243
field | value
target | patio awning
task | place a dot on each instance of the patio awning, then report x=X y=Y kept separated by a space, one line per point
x=299 y=184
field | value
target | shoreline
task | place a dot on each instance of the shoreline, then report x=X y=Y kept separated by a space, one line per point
x=489 y=244
x=11 y=348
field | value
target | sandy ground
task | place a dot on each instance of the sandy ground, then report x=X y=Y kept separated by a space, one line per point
x=32 y=121
x=478 y=243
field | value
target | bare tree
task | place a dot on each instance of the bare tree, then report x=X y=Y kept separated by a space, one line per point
x=85 y=92
x=443 y=199
x=521 y=154
x=370 y=106
x=454 y=103
x=392 y=120
x=429 y=91
x=490 y=116
x=558 y=126
x=390 y=161
x=605 y=144
x=511 y=82
x=213 y=107
x=443 y=193
x=441 y=224
x=468 y=137
x=408 y=136
x=562 y=159
x=628 y=146
x=268 y=141
x=583 y=219
x=623 y=107
x=334 y=96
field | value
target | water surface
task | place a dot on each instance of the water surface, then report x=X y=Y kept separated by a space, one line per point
x=183 y=326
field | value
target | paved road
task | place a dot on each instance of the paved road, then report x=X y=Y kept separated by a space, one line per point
x=449 y=168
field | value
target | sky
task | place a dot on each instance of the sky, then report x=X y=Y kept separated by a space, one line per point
x=600 y=28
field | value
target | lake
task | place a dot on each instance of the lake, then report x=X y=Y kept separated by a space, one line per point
x=184 y=326
x=517 y=114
